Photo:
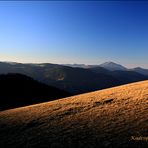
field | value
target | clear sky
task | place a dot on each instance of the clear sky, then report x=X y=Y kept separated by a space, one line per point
x=74 y=32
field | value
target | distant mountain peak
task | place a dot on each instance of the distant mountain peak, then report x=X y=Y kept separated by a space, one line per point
x=138 y=68
x=112 y=66
x=141 y=70
x=109 y=62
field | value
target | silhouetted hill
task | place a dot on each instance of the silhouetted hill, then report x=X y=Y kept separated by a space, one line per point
x=20 y=90
x=128 y=76
x=99 y=69
x=79 y=80
x=122 y=76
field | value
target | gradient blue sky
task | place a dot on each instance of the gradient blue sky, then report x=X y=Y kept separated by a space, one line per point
x=74 y=32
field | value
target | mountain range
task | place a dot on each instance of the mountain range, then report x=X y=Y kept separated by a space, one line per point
x=112 y=66
x=77 y=80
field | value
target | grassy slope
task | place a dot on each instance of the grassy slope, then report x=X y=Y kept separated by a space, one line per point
x=87 y=120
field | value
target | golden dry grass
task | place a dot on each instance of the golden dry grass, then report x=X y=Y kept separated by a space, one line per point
x=106 y=118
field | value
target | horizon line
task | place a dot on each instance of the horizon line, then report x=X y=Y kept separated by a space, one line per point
x=71 y=64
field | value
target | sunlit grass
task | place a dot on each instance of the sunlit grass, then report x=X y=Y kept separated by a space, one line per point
x=102 y=118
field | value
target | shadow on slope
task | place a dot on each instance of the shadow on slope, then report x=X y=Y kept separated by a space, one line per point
x=20 y=90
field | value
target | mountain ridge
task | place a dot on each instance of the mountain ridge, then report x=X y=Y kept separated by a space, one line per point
x=75 y=80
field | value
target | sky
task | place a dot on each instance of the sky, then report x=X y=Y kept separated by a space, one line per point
x=74 y=32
